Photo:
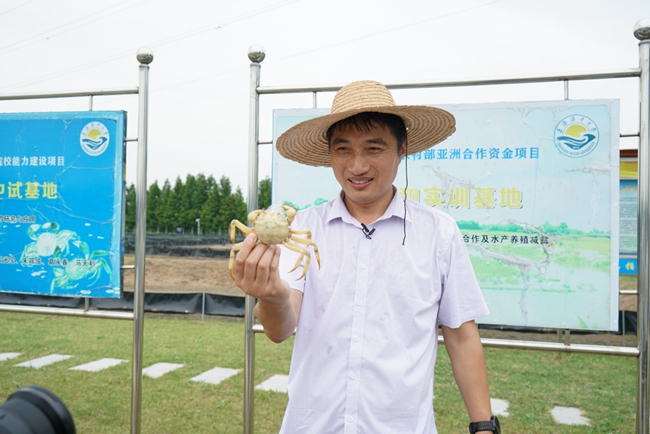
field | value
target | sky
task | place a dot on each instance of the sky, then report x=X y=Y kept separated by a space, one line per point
x=199 y=78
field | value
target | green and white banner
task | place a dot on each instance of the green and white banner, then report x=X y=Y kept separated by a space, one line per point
x=534 y=188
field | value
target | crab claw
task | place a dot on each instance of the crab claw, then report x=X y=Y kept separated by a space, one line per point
x=291 y=212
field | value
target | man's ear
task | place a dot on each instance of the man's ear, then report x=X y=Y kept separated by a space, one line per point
x=402 y=150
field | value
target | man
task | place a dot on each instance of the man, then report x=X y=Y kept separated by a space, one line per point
x=367 y=321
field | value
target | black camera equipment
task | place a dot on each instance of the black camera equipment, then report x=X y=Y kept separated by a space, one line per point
x=35 y=410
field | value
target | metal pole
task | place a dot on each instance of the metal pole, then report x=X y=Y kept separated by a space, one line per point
x=203 y=308
x=145 y=57
x=81 y=93
x=566 y=347
x=469 y=82
x=106 y=314
x=256 y=54
x=642 y=32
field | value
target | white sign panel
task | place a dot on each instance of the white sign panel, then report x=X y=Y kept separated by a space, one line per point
x=534 y=188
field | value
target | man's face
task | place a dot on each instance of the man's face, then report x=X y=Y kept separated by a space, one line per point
x=365 y=164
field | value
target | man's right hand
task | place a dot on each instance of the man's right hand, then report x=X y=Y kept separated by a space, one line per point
x=256 y=273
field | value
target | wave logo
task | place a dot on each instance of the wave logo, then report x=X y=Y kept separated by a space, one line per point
x=576 y=136
x=94 y=138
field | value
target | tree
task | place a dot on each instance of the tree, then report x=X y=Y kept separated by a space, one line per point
x=177 y=219
x=186 y=211
x=165 y=213
x=225 y=187
x=264 y=195
x=232 y=207
x=129 y=213
x=153 y=207
x=211 y=206
x=198 y=197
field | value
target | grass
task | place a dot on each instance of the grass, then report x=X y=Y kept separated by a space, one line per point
x=532 y=382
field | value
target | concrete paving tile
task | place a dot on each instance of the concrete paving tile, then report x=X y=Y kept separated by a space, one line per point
x=499 y=407
x=215 y=375
x=8 y=356
x=157 y=370
x=97 y=365
x=569 y=416
x=276 y=383
x=43 y=361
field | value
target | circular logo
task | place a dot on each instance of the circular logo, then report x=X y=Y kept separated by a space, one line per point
x=576 y=136
x=94 y=139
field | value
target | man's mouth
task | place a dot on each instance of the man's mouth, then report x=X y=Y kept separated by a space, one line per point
x=360 y=182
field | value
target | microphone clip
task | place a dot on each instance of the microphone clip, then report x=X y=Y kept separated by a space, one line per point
x=367 y=232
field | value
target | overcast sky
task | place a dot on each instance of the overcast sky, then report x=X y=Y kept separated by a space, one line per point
x=198 y=121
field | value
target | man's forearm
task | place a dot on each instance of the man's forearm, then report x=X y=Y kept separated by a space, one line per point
x=279 y=318
x=468 y=364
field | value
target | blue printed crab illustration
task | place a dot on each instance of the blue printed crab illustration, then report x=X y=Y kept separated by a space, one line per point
x=50 y=241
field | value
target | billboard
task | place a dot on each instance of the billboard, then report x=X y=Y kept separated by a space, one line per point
x=534 y=188
x=61 y=203
x=629 y=196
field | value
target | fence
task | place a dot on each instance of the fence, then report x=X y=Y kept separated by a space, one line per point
x=144 y=57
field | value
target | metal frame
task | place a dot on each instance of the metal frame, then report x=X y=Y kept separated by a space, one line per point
x=642 y=352
x=144 y=57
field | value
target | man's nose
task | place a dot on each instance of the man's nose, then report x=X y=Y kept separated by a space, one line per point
x=358 y=164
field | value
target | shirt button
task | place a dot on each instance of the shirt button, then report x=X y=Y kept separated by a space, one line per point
x=350 y=419
x=356 y=339
x=354 y=377
x=359 y=302
x=363 y=266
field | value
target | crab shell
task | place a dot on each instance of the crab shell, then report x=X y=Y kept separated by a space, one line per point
x=270 y=227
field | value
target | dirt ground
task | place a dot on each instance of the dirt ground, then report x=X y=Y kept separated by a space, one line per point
x=179 y=275
x=182 y=275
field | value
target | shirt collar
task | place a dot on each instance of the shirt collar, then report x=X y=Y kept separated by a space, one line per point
x=339 y=210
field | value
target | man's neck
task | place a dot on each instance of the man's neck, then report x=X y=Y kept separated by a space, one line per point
x=367 y=213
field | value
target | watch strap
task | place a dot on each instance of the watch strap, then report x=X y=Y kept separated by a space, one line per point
x=487 y=425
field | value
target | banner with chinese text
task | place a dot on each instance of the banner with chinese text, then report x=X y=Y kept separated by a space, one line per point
x=61 y=203
x=534 y=188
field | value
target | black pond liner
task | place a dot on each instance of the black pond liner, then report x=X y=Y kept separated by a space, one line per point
x=215 y=304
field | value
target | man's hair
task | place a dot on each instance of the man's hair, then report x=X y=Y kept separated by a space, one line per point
x=367 y=120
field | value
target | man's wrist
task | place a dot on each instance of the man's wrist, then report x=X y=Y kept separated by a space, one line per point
x=485 y=427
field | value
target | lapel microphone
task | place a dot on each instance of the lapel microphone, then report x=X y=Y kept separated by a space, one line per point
x=367 y=232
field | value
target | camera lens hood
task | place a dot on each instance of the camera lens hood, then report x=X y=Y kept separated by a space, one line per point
x=50 y=405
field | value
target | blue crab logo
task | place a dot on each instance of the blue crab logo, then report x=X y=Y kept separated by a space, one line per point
x=576 y=136
x=94 y=138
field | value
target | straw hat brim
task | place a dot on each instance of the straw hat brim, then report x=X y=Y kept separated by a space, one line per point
x=307 y=143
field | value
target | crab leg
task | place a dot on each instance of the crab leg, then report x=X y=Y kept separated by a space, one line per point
x=242 y=227
x=307 y=242
x=306 y=233
x=303 y=252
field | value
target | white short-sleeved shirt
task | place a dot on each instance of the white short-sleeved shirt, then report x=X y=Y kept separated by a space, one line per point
x=367 y=335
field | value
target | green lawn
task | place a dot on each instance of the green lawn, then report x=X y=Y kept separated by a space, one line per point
x=532 y=382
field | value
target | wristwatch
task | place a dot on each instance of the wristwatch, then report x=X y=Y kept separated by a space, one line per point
x=491 y=425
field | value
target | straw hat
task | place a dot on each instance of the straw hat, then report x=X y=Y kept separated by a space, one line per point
x=306 y=142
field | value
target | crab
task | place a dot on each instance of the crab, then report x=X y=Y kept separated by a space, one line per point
x=48 y=241
x=51 y=240
x=76 y=269
x=273 y=226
